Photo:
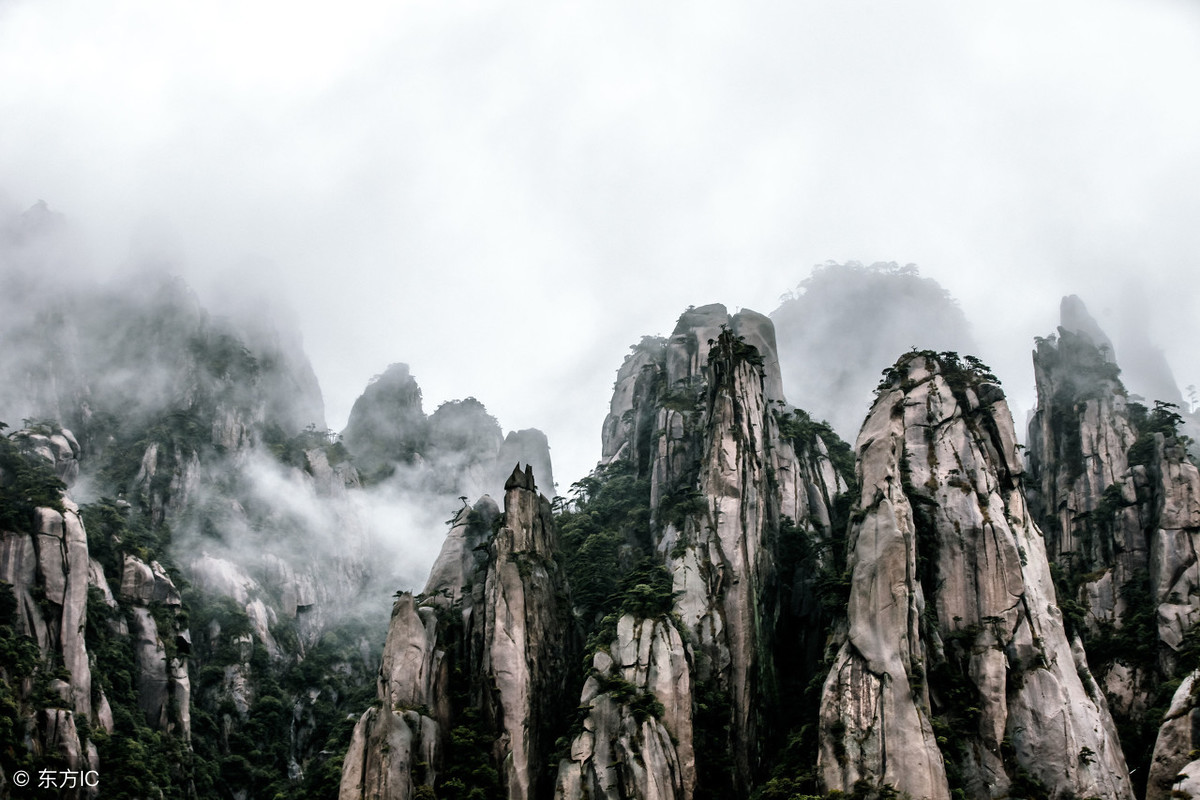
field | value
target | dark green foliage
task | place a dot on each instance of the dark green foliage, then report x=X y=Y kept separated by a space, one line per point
x=26 y=483
x=612 y=509
x=285 y=721
x=642 y=705
x=224 y=357
x=823 y=562
x=19 y=658
x=1023 y=784
x=1081 y=374
x=608 y=527
x=469 y=773
x=955 y=703
x=114 y=529
x=792 y=774
x=645 y=591
x=683 y=400
x=1111 y=501
x=959 y=373
x=291 y=450
x=711 y=715
x=798 y=427
x=1188 y=655
x=681 y=503
x=1066 y=588
x=735 y=347
x=833 y=591
x=1065 y=423
x=1135 y=642
x=138 y=761
x=1078 y=360
x=228 y=752
x=231 y=623
x=1162 y=420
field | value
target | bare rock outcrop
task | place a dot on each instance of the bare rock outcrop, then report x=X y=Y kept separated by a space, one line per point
x=636 y=739
x=503 y=622
x=1174 y=766
x=955 y=664
x=46 y=571
x=57 y=447
x=397 y=734
x=1081 y=487
x=161 y=643
x=527 y=636
x=48 y=566
x=730 y=465
x=1119 y=499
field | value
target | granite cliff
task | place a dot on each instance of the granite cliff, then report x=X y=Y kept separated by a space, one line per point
x=955 y=673
x=734 y=603
x=483 y=652
x=1119 y=499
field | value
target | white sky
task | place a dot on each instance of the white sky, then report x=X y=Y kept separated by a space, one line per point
x=507 y=195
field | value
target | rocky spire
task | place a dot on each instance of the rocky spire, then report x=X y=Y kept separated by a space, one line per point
x=1119 y=500
x=701 y=417
x=490 y=640
x=955 y=671
x=46 y=572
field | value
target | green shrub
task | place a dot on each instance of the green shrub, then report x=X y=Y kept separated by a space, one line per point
x=26 y=483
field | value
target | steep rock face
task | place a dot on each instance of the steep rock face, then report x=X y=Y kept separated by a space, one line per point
x=703 y=417
x=161 y=644
x=527 y=637
x=722 y=553
x=461 y=449
x=393 y=737
x=1174 y=766
x=284 y=506
x=496 y=606
x=1120 y=503
x=1074 y=317
x=637 y=736
x=1079 y=438
x=57 y=447
x=45 y=564
x=627 y=428
x=50 y=560
x=463 y=558
x=955 y=665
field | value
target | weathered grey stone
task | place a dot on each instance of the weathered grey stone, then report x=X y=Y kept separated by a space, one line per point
x=939 y=489
x=623 y=754
x=701 y=414
x=1177 y=742
x=462 y=555
x=147 y=583
x=55 y=561
x=1117 y=526
x=516 y=639
x=526 y=633
x=381 y=758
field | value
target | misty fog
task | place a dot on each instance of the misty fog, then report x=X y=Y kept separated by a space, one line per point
x=507 y=196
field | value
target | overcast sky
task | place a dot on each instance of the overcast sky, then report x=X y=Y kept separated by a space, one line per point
x=507 y=195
